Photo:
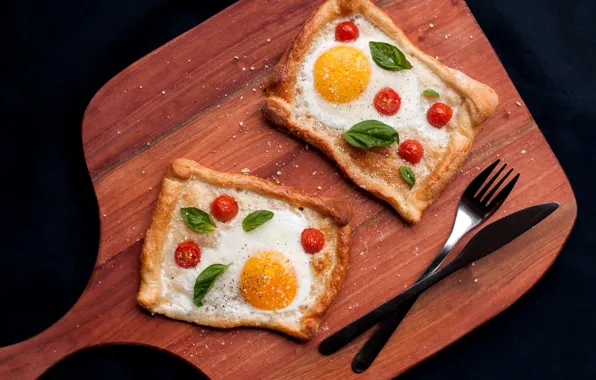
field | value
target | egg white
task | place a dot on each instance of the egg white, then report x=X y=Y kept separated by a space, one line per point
x=231 y=244
x=409 y=84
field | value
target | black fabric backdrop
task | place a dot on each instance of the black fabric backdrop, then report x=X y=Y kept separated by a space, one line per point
x=56 y=55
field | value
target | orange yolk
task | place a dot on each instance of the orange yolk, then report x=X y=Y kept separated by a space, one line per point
x=268 y=281
x=341 y=74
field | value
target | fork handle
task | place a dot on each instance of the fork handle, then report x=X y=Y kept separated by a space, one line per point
x=377 y=341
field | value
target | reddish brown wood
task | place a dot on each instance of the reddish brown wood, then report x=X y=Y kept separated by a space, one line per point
x=131 y=132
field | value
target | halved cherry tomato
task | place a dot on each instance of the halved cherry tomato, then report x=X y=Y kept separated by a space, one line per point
x=411 y=151
x=346 y=31
x=439 y=114
x=224 y=208
x=312 y=240
x=187 y=254
x=387 y=101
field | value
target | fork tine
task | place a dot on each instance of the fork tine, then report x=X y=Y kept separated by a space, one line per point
x=473 y=187
x=503 y=194
x=495 y=188
x=490 y=182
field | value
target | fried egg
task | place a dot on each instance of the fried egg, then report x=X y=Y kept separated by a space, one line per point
x=337 y=83
x=271 y=281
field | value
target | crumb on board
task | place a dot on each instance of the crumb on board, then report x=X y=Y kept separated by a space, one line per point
x=475 y=280
x=245 y=171
x=523 y=151
x=431 y=25
x=518 y=104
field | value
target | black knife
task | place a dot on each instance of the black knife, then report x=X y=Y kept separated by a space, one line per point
x=486 y=241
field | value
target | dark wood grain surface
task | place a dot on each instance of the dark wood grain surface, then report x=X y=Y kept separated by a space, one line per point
x=187 y=99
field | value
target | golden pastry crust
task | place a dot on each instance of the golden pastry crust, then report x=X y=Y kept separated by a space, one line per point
x=182 y=170
x=479 y=103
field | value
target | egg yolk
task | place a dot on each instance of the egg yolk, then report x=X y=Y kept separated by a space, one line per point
x=341 y=74
x=268 y=281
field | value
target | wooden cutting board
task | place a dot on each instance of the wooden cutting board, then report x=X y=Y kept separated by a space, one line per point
x=188 y=98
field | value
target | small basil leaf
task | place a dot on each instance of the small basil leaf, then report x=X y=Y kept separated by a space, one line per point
x=432 y=93
x=205 y=281
x=388 y=56
x=369 y=133
x=197 y=219
x=255 y=219
x=408 y=175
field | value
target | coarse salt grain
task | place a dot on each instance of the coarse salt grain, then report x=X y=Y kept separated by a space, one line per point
x=245 y=171
x=518 y=104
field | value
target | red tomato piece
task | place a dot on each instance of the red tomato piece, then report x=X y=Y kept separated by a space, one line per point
x=224 y=208
x=187 y=254
x=439 y=114
x=312 y=240
x=387 y=101
x=411 y=151
x=346 y=31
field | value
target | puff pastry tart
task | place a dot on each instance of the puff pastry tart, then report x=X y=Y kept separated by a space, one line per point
x=227 y=250
x=395 y=120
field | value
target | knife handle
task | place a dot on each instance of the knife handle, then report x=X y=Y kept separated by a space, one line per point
x=377 y=341
x=341 y=338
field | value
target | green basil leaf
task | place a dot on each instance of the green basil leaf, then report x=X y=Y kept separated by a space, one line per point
x=388 y=56
x=197 y=219
x=369 y=133
x=205 y=281
x=432 y=93
x=408 y=175
x=255 y=219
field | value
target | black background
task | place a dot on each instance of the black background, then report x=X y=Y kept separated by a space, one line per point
x=56 y=55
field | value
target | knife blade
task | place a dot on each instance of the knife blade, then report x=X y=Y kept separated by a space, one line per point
x=486 y=241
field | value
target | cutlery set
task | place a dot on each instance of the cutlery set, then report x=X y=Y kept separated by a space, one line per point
x=479 y=202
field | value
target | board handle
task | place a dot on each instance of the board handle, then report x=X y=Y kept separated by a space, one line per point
x=105 y=313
